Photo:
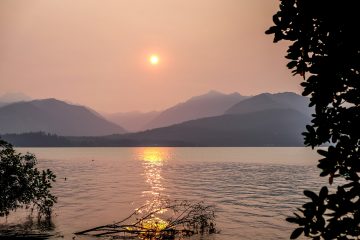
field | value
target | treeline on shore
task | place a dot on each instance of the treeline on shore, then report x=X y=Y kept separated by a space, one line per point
x=42 y=139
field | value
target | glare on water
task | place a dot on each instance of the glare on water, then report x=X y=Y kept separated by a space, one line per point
x=253 y=189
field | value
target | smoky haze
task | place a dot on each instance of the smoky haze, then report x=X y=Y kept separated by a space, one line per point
x=95 y=52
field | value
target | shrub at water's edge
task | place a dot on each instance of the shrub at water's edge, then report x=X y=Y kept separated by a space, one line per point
x=22 y=185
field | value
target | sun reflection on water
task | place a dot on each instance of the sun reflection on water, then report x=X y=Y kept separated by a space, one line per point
x=153 y=160
x=154 y=156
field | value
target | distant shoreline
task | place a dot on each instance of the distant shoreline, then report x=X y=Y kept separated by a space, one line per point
x=44 y=140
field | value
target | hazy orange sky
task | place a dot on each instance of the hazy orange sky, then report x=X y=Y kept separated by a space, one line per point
x=95 y=52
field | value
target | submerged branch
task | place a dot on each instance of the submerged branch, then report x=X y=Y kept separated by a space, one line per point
x=164 y=220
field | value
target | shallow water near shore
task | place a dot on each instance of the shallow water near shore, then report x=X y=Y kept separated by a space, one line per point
x=253 y=189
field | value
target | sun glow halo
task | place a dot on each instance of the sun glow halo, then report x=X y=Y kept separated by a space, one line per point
x=154 y=59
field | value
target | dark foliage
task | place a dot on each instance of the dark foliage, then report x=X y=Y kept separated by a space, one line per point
x=22 y=184
x=36 y=139
x=325 y=38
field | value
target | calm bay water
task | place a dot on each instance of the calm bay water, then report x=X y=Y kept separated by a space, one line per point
x=253 y=189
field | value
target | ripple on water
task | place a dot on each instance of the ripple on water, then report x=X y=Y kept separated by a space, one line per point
x=252 y=199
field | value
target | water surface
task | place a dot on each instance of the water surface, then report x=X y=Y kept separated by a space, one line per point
x=253 y=189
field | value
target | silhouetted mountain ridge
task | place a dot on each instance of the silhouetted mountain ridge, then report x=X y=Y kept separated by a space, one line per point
x=54 y=116
x=273 y=127
x=262 y=120
x=265 y=101
x=8 y=98
x=132 y=121
x=210 y=104
x=12 y=97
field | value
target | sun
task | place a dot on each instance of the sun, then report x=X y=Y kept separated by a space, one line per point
x=154 y=59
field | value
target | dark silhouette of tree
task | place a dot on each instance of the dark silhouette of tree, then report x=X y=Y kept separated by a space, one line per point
x=325 y=51
x=22 y=184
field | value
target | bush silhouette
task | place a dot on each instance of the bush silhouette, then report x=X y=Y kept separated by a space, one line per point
x=22 y=184
x=325 y=51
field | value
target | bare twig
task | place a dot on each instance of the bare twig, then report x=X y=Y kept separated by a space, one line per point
x=171 y=219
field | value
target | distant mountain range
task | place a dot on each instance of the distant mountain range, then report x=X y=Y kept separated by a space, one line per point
x=271 y=127
x=212 y=119
x=54 y=116
x=8 y=98
x=210 y=104
x=275 y=127
x=132 y=121
x=266 y=101
x=261 y=120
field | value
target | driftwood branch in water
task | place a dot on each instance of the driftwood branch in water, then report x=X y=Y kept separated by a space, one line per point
x=161 y=219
